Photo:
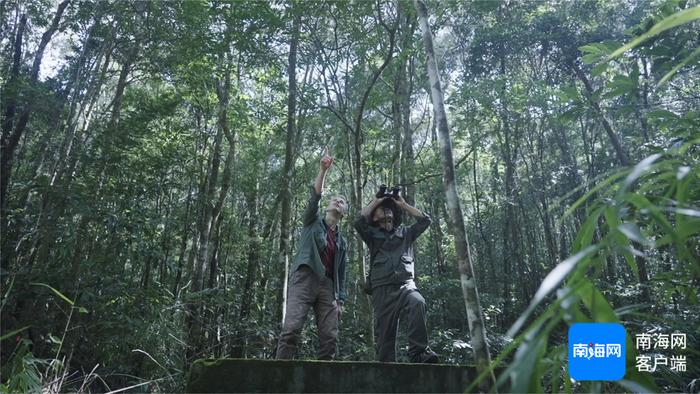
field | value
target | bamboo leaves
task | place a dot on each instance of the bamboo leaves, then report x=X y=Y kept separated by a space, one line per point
x=677 y=19
x=551 y=282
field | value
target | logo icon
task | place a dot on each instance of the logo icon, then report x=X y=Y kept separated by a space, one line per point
x=597 y=351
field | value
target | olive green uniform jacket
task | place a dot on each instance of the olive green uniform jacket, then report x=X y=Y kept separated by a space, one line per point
x=313 y=240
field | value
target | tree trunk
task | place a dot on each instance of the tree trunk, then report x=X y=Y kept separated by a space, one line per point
x=211 y=210
x=607 y=125
x=287 y=176
x=480 y=227
x=240 y=339
x=396 y=130
x=457 y=225
x=183 y=244
x=218 y=216
x=357 y=153
x=404 y=99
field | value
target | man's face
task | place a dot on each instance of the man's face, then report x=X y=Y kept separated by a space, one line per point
x=338 y=204
x=384 y=217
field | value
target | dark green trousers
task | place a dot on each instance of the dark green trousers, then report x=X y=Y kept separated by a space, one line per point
x=391 y=302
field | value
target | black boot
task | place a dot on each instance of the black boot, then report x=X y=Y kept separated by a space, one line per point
x=427 y=356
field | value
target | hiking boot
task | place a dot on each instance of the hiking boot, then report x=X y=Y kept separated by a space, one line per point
x=425 y=357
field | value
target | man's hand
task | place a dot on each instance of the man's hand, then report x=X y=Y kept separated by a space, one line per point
x=326 y=160
x=325 y=164
x=411 y=210
x=367 y=211
x=377 y=201
x=401 y=202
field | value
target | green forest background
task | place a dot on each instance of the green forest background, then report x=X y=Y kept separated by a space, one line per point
x=156 y=157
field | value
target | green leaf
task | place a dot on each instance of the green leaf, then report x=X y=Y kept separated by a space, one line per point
x=585 y=234
x=642 y=203
x=590 y=58
x=597 y=304
x=551 y=282
x=11 y=333
x=570 y=92
x=526 y=362
x=688 y=144
x=672 y=21
x=661 y=114
x=639 y=169
x=58 y=293
x=599 y=69
x=591 y=48
x=678 y=66
x=596 y=51
x=620 y=85
x=598 y=185
x=631 y=231
x=556 y=371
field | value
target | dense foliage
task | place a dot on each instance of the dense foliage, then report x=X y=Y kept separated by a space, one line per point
x=153 y=169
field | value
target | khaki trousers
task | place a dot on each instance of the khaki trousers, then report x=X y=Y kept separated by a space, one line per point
x=306 y=290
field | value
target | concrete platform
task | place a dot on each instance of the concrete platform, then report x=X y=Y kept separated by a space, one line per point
x=292 y=376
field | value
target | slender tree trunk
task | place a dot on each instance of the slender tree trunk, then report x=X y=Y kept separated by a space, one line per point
x=457 y=225
x=287 y=176
x=223 y=93
x=211 y=209
x=183 y=243
x=644 y=110
x=396 y=129
x=404 y=98
x=240 y=340
x=358 y=178
x=218 y=216
x=480 y=227
x=643 y=278
x=439 y=257
x=607 y=125
x=508 y=141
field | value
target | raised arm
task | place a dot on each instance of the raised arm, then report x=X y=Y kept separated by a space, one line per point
x=311 y=211
x=422 y=219
x=364 y=219
x=367 y=211
x=326 y=162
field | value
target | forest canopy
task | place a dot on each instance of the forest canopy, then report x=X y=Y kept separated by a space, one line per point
x=156 y=157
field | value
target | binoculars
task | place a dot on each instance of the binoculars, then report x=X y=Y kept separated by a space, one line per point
x=394 y=192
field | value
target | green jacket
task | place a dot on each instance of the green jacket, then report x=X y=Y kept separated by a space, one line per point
x=391 y=252
x=313 y=240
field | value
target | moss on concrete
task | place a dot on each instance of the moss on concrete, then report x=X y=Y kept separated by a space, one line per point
x=291 y=376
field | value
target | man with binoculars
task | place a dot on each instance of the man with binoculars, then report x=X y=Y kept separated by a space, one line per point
x=391 y=279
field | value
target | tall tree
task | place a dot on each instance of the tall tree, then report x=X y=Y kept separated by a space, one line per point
x=10 y=134
x=620 y=151
x=288 y=170
x=457 y=225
